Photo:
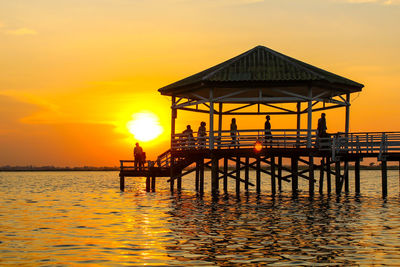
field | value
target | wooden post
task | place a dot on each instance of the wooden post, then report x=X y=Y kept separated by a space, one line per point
x=211 y=118
x=295 y=182
x=321 y=176
x=237 y=175
x=148 y=184
x=273 y=180
x=384 y=178
x=226 y=174
x=214 y=175
x=347 y=123
x=328 y=175
x=179 y=182
x=153 y=183
x=174 y=115
x=197 y=179
x=201 y=176
x=280 y=174
x=337 y=177
x=246 y=174
x=357 y=176
x=258 y=175
x=122 y=183
x=346 y=176
x=298 y=122
x=309 y=117
x=311 y=176
x=219 y=123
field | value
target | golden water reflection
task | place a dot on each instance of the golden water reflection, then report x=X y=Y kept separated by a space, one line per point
x=82 y=218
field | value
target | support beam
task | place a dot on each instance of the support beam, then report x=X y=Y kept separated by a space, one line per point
x=298 y=125
x=357 y=176
x=225 y=175
x=309 y=117
x=347 y=123
x=148 y=184
x=384 y=178
x=246 y=174
x=219 y=123
x=201 y=170
x=280 y=174
x=321 y=176
x=122 y=183
x=153 y=183
x=328 y=175
x=273 y=180
x=295 y=181
x=258 y=175
x=311 y=176
x=346 y=176
x=237 y=175
x=338 y=186
x=211 y=137
x=214 y=175
x=179 y=182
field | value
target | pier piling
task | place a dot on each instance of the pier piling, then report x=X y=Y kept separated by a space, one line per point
x=357 y=176
x=384 y=178
x=295 y=177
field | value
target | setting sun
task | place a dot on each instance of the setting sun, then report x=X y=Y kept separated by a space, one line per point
x=145 y=126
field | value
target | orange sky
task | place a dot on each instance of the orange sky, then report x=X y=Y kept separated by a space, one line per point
x=73 y=72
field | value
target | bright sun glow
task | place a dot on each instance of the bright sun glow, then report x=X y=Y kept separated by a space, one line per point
x=145 y=126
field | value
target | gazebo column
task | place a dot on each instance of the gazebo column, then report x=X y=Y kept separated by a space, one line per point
x=347 y=124
x=219 y=124
x=174 y=113
x=211 y=138
x=298 y=122
x=309 y=117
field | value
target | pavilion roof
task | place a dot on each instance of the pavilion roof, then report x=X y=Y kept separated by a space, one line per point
x=264 y=68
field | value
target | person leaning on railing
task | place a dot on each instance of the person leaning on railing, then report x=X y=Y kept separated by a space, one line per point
x=188 y=134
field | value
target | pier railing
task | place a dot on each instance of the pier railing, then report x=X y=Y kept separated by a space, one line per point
x=379 y=143
x=279 y=138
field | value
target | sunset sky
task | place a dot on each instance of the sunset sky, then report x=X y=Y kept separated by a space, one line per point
x=73 y=73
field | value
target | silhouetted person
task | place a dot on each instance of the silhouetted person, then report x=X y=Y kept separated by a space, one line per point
x=234 y=132
x=321 y=129
x=267 y=130
x=201 y=135
x=188 y=135
x=138 y=154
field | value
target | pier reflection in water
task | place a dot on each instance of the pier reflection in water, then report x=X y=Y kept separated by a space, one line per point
x=70 y=218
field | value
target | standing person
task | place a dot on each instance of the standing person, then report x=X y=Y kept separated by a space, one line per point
x=267 y=130
x=321 y=129
x=234 y=132
x=138 y=153
x=188 y=134
x=201 y=135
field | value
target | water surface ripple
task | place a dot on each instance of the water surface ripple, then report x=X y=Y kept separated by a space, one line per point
x=81 y=218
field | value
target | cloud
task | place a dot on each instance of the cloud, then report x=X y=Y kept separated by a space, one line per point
x=21 y=31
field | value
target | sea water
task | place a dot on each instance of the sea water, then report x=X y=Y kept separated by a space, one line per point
x=81 y=218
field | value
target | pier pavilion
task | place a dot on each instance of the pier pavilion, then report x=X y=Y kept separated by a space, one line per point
x=259 y=82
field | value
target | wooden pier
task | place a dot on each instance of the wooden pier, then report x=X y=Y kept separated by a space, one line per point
x=264 y=82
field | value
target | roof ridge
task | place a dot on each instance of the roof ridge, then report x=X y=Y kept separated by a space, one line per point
x=293 y=61
x=232 y=60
